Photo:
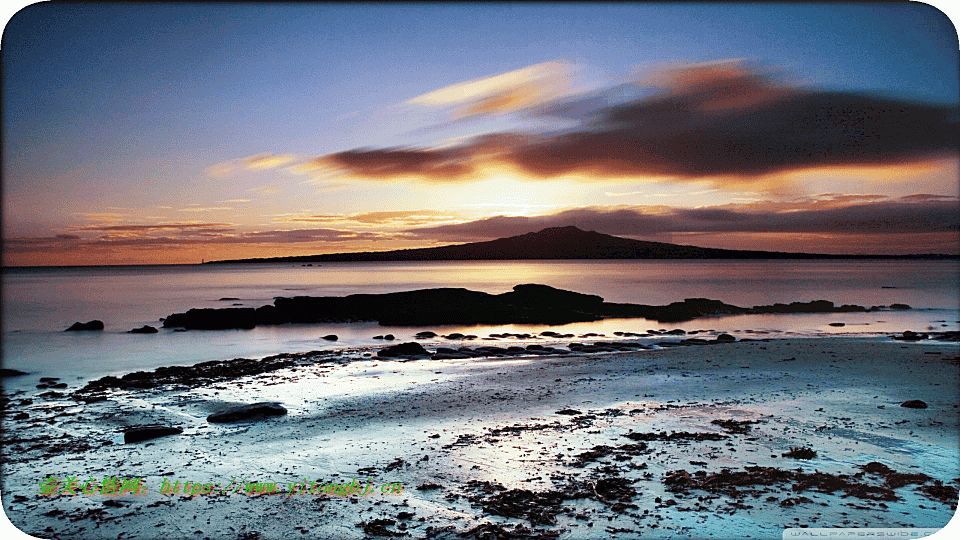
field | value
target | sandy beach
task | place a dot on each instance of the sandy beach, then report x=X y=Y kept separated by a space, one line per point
x=576 y=446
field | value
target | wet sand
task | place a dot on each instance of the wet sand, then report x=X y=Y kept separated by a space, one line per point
x=577 y=446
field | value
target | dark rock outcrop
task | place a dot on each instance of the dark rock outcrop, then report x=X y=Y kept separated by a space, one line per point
x=330 y=337
x=79 y=326
x=5 y=372
x=247 y=412
x=526 y=304
x=147 y=432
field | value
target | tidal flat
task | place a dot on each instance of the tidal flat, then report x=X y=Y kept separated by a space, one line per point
x=733 y=440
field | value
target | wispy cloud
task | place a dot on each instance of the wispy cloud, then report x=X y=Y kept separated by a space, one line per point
x=379 y=220
x=258 y=162
x=265 y=161
x=503 y=93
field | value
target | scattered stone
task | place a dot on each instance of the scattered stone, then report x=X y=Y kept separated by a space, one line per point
x=378 y=527
x=735 y=426
x=675 y=436
x=246 y=412
x=425 y=335
x=728 y=482
x=142 y=433
x=569 y=412
x=80 y=327
x=202 y=373
x=837 y=324
x=800 y=452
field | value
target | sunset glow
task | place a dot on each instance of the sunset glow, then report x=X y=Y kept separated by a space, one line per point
x=157 y=134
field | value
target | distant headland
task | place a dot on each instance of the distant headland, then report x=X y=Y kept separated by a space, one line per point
x=563 y=243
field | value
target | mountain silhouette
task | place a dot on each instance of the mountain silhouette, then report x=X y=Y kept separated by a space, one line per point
x=558 y=243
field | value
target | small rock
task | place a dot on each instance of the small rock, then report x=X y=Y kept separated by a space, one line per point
x=914 y=404
x=403 y=349
x=145 y=329
x=245 y=412
x=147 y=432
x=726 y=338
x=79 y=326
x=330 y=337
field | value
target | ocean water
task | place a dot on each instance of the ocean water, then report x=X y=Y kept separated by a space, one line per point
x=39 y=303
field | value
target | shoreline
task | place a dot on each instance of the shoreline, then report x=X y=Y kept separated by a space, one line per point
x=495 y=434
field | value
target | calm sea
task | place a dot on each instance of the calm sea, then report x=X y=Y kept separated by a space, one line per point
x=39 y=303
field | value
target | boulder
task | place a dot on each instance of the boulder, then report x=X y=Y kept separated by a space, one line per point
x=151 y=431
x=403 y=349
x=247 y=412
x=145 y=329
x=79 y=326
x=425 y=335
x=330 y=337
x=914 y=404
x=726 y=338
x=6 y=372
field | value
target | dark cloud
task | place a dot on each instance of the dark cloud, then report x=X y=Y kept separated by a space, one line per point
x=731 y=120
x=391 y=162
x=873 y=218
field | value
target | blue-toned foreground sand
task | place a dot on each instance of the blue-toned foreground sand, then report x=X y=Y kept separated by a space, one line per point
x=578 y=446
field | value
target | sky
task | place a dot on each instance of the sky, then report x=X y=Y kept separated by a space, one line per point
x=162 y=134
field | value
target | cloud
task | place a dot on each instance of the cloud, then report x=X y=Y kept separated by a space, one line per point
x=265 y=189
x=235 y=201
x=257 y=162
x=507 y=92
x=883 y=217
x=265 y=161
x=724 y=122
x=204 y=208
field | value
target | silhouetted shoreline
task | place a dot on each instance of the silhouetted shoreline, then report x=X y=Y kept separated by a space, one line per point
x=566 y=243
